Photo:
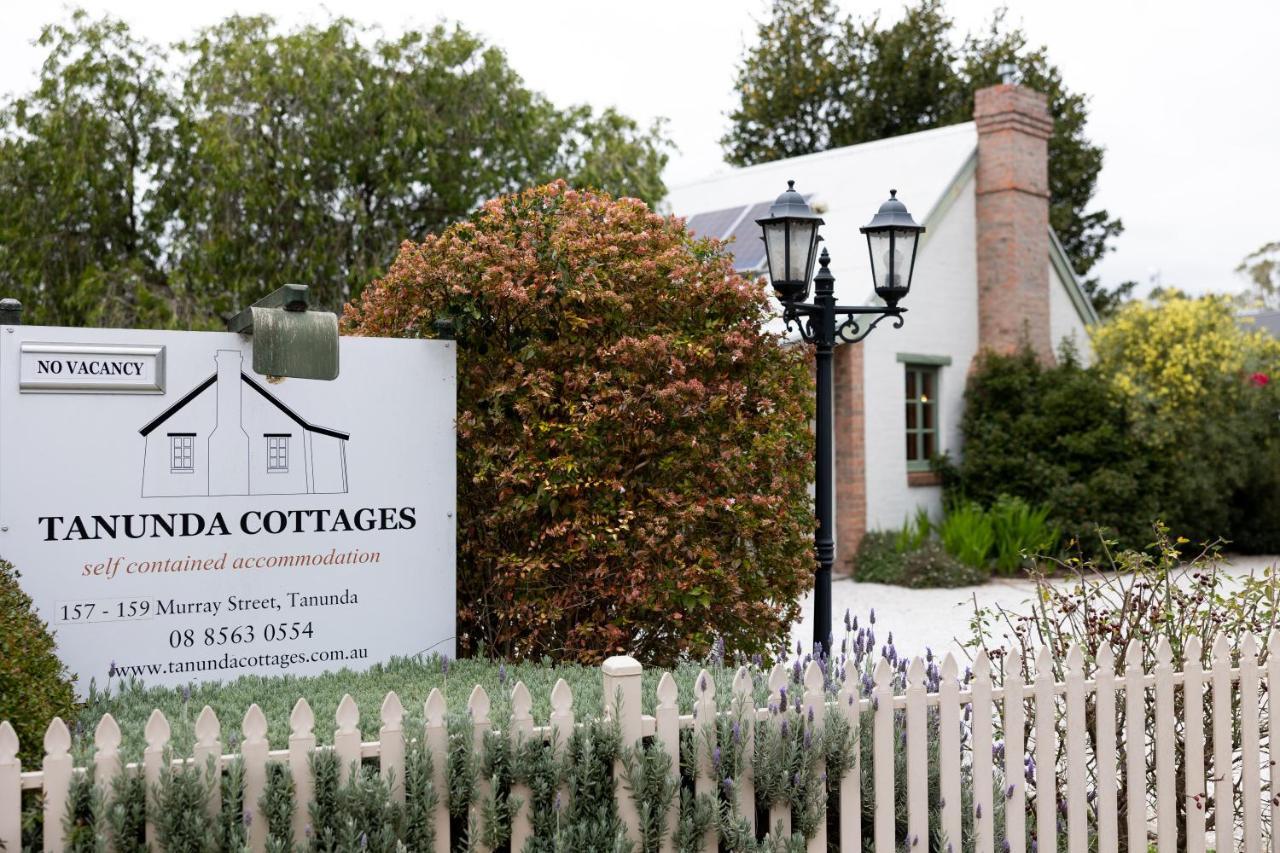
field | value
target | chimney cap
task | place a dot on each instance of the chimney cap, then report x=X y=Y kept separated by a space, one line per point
x=1008 y=73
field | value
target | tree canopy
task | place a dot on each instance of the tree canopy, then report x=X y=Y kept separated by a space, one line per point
x=816 y=79
x=167 y=186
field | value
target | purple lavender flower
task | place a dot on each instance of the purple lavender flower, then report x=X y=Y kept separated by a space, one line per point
x=444 y=665
x=808 y=738
x=502 y=673
x=873 y=616
x=1004 y=846
x=727 y=784
x=715 y=758
x=364 y=840
x=702 y=684
x=737 y=732
x=1008 y=793
x=786 y=728
x=782 y=695
x=556 y=805
x=848 y=626
x=186 y=692
x=810 y=715
x=247 y=818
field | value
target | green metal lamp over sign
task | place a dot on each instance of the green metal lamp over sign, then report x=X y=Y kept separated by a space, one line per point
x=288 y=338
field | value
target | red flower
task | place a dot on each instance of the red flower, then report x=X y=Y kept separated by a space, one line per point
x=1260 y=379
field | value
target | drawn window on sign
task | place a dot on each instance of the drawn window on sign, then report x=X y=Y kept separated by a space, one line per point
x=278 y=453
x=182 y=452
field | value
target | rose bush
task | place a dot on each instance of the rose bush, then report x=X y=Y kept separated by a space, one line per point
x=632 y=444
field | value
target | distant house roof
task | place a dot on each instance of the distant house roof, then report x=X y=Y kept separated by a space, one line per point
x=846 y=186
x=1268 y=321
x=212 y=380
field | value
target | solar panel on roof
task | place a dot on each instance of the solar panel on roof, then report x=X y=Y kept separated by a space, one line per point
x=747 y=247
x=715 y=223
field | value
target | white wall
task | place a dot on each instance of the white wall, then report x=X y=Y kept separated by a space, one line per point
x=941 y=320
x=1064 y=319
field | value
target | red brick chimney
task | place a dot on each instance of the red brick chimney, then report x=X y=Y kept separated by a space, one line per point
x=1014 y=126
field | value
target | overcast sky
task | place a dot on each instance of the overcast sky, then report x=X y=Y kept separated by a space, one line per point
x=1185 y=94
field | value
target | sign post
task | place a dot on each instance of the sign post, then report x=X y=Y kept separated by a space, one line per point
x=178 y=517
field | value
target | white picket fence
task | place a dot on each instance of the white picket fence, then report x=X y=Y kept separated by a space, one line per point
x=1068 y=726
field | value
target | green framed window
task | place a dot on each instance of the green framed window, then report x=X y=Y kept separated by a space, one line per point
x=922 y=415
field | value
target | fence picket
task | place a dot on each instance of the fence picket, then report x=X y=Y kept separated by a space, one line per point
x=10 y=789
x=743 y=709
x=1223 y=806
x=983 y=756
x=1273 y=734
x=437 y=745
x=106 y=756
x=851 y=784
x=562 y=726
x=667 y=730
x=57 y=781
x=391 y=745
x=1015 y=770
x=949 y=750
x=208 y=755
x=622 y=678
x=254 y=749
x=917 y=757
x=704 y=718
x=1166 y=778
x=156 y=734
x=779 y=813
x=346 y=737
x=1046 y=753
x=1193 y=739
x=302 y=741
x=521 y=729
x=815 y=705
x=882 y=750
x=1250 y=749
x=1135 y=747
x=1104 y=704
x=1075 y=756
x=478 y=705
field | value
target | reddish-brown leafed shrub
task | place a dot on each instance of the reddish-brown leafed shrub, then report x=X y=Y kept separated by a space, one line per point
x=633 y=447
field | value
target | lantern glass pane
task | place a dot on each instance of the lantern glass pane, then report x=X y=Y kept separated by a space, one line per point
x=774 y=249
x=905 y=245
x=801 y=248
x=879 y=243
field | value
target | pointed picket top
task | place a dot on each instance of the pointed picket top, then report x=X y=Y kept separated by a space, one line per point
x=302 y=720
x=1012 y=668
x=1222 y=649
x=254 y=725
x=478 y=704
x=157 y=732
x=1133 y=655
x=705 y=686
x=348 y=715
x=883 y=673
x=1044 y=664
x=982 y=666
x=668 y=692
x=392 y=711
x=813 y=680
x=1193 y=651
x=521 y=703
x=1075 y=659
x=915 y=672
x=208 y=729
x=434 y=708
x=742 y=685
x=1106 y=659
x=57 y=739
x=561 y=697
x=8 y=743
x=106 y=737
x=1164 y=652
x=777 y=679
x=850 y=680
x=1249 y=646
x=950 y=669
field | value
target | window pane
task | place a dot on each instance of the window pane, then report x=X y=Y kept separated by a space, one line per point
x=926 y=383
x=928 y=445
x=911 y=447
x=927 y=413
x=911 y=384
x=911 y=415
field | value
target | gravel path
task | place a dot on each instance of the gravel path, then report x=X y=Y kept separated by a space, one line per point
x=938 y=618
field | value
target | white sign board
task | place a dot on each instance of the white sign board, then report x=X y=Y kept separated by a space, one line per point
x=178 y=518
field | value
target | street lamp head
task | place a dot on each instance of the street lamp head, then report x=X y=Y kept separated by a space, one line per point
x=892 y=239
x=790 y=244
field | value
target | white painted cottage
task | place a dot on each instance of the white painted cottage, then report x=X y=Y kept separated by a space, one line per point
x=989 y=274
x=229 y=435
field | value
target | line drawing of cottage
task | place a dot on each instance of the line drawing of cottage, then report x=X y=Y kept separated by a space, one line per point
x=239 y=440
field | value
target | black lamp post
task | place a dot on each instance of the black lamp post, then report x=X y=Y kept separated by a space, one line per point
x=791 y=244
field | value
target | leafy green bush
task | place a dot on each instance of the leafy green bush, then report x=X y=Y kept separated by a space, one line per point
x=968 y=533
x=1022 y=532
x=931 y=566
x=878 y=559
x=34 y=685
x=631 y=441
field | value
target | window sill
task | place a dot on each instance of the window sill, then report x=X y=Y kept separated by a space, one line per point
x=923 y=478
